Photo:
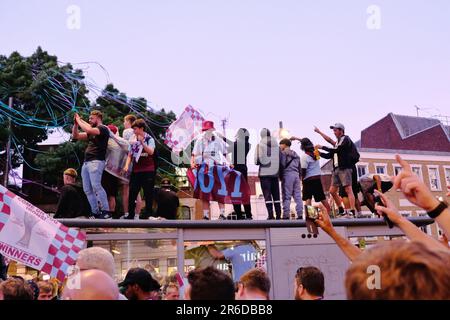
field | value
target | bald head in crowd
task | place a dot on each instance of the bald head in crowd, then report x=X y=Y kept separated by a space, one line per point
x=92 y=285
x=96 y=258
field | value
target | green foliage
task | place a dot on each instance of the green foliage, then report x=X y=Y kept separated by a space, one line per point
x=26 y=79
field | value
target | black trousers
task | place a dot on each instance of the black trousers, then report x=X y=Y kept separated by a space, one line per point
x=138 y=181
x=238 y=207
x=271 y=191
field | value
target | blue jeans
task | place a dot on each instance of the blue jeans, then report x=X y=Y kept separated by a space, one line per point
x=91 y=173
x=291 y=189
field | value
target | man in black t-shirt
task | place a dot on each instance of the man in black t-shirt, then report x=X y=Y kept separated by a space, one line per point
x=167 y=201
x=94 y=161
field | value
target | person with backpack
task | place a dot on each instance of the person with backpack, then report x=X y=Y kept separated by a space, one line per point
x=290 y=172
x=142 y=154
x=345 y=156
x=267 y=157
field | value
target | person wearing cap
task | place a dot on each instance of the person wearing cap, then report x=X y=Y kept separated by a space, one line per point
x=311 y=174
x=72 y=201
x=344 y=159
x=167 y=201
x=143 y=173
x=140 y=285
x=209 y=150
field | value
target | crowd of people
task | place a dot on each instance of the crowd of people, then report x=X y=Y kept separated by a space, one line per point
x=114 y=163
x=412 y=269
x=128 y=164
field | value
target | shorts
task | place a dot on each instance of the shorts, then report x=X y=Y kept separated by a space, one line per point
x=313 y=188
x=341 y=177
x=355 y=186
x=111 y=184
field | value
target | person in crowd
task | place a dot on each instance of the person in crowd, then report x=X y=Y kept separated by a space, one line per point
x=344 y=158
x=267 y=157
x=90 y=285
x=242 y=255
x=253 y=285
x=142 y=154
x=239 y=150
x=407 y=271
x=290 y=167
x=127 y=135
x=34 y=289
x=72 y=201
x=209 y=284
x=416 y=192
x=45 y=290
x=167 y=201
x=370 y=182
x=116 y=155
x=209 y=151
x=96 y=258
x=311 y=174
x=15 y=289
x=3 y=268
x=94 y=161
x=309 y=284
x=420 y=195
x=171 y=292
x=140 y=285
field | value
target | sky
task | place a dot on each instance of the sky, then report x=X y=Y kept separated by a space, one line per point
x=254 y=62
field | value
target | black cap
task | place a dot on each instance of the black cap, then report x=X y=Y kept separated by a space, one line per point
x=142 y=278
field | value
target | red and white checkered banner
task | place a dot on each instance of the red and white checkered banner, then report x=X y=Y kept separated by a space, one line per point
x=31 y=237
x=185 y=129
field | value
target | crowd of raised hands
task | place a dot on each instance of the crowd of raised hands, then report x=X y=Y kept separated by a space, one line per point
x=416 y=192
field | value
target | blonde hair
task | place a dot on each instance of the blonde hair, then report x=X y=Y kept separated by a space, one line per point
x=408 y=271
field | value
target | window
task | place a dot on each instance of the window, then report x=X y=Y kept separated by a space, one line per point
x=433 y=173
x=380 y=168
x=171 y=266
x=447 y=176
x=397 y=169
x=362 y=170
x=417 y=169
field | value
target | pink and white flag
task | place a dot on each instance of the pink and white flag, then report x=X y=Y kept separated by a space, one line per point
x=185 y=129
x=31 y=237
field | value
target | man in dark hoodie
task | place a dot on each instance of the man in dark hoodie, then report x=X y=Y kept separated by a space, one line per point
x=290 y=179
x=72 y=200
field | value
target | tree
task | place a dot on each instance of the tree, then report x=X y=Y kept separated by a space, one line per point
x=37 y=84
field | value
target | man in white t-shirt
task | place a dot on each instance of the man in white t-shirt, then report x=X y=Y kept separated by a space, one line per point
x=128 y=134
x=209 y=150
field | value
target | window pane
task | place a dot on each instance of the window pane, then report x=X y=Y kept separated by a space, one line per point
x=361 y=171
x=447 y=176
x=434 y=178
x=380 y=170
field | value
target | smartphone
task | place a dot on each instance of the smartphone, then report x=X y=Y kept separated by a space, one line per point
x=380 y=202
x=311 y=214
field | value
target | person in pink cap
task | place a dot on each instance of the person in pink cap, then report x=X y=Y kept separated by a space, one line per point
x=209 y=149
